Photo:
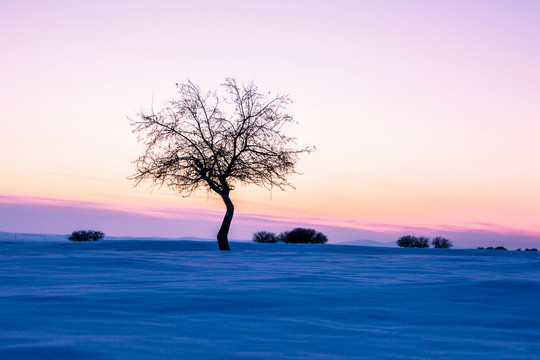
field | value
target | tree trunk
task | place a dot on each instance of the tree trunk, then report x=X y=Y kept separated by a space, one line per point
x=223 y=242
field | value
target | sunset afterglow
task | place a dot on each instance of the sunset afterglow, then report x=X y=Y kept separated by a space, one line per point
x=425 y=115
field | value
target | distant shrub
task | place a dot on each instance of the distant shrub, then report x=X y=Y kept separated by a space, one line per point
x=320 y=238
x=423 y=242
x=519 y=249
x=409 y=241
x=496 y=248
x=86 y=235
x=480 y=248
x=303 y=236
x=282 y=236
x=264 y=237
x=441 y=243
x=533 y=249
x=406 y=241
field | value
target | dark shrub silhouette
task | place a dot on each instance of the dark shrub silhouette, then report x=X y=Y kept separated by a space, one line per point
x=481 y=248
x=319 y=238
x=409 y=241
x=533 y=249
x=422 y=242
x=86 y=235
x=495 y=248
x=441 y=243
x=282 y=236
x=303 y=236
x=264 y=237
x=406 y=241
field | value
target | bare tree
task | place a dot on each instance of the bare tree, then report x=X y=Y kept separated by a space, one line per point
x=216 y=140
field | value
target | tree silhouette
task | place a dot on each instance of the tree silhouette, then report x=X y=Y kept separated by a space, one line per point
x=410 y=241
x=216 y=140
x=441 y=243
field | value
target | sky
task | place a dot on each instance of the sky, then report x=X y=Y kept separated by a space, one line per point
x=425 y=114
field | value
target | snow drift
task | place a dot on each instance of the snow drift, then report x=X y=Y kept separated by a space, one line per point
x=185 y=300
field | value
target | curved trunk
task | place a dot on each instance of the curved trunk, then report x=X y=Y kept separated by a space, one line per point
x=222 y=239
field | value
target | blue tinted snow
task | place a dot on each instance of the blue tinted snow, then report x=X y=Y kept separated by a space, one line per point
x=185 y=300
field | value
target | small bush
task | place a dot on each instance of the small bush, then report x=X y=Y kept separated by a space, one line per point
x=303 y=236
x=533 y=249
x=320 y=238
x=406 y=241
x=495 y=248
x=441 y=243
x=264 y=237
x=423 y=242
x=409 y=241
x=480 y=248
x=86 y=235
x=282 y=237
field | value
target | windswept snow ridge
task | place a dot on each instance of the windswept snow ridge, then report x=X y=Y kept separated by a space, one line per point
x=185 y=300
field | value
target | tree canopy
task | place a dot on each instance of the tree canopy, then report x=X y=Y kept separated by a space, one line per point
x=216 y=140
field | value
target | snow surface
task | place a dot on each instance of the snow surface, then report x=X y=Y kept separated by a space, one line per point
x=185 y=300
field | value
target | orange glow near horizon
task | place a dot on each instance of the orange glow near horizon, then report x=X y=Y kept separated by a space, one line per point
x=211 y=209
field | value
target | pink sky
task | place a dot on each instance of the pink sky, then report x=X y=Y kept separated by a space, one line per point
x=425 y=113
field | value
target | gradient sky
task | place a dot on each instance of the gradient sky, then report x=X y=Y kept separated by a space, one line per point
x=426 y=114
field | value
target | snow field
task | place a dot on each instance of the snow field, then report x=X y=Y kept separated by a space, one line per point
x=185 y=300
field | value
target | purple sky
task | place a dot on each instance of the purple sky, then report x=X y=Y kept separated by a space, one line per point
x=425 y=113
